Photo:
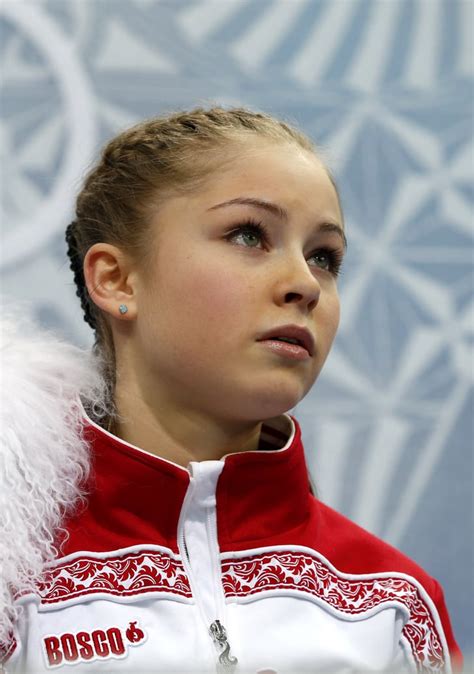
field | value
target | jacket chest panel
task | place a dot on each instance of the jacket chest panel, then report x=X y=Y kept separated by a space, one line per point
x=286 y=605
x=283 y=633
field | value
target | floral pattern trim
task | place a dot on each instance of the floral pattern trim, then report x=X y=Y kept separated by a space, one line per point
x=351 y=595
x=6 y=651
x=123 y=575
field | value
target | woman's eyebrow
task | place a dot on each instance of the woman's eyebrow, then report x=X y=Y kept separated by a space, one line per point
x=280 y=212
x=274 y=209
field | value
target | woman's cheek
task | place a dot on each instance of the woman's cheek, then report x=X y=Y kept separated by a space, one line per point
x=335 y=315
x=331 y=323
x=216 y=291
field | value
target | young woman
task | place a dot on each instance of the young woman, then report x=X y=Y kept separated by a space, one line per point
x=162 y=485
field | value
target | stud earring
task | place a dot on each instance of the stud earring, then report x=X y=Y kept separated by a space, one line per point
x=123 y=308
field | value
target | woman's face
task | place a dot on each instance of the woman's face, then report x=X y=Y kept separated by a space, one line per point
x=211 y=290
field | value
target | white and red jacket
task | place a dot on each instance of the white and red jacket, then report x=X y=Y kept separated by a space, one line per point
x=234 y=561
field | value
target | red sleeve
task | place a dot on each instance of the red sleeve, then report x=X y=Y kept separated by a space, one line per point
x=454 y=650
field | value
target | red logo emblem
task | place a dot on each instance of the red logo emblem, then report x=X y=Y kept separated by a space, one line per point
x=70 y=648
x=134 y=634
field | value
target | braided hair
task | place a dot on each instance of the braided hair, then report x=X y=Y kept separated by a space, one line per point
x=78 y=271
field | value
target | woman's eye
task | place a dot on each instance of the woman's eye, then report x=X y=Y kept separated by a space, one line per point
x=256 y=231
x=333 y=258
x=253 y=230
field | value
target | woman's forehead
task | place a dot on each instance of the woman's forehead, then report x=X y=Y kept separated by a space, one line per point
x=281 y=173
x=266 y=163
x=278 y=174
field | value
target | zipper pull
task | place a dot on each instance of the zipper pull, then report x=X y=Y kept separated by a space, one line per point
x=226 y=662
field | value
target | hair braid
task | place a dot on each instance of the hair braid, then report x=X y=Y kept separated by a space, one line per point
x=77 y=269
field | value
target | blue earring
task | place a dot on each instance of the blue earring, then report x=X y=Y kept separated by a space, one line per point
x=123 y=308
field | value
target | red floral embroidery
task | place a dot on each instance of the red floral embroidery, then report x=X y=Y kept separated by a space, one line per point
x=7 y=649
x=302 y=571
x=127 y=568
x=64 y=586
x=130 y=574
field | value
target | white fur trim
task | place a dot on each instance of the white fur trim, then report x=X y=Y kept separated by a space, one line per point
x=43 y=458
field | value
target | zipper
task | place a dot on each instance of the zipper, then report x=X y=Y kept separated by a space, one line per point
x=226 y=663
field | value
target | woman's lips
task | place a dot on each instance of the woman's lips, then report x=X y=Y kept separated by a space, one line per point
x=285 y=349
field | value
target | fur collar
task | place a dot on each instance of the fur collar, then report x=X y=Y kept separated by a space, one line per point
x=43 y=458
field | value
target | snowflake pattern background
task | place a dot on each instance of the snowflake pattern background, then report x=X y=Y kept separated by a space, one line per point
x=385 y=86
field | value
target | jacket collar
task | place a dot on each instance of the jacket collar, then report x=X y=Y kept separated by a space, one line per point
x=138 y=496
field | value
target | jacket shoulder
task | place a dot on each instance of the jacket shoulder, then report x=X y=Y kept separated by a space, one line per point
x=353 y=550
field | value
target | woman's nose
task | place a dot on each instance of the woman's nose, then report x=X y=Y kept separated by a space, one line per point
x=300 y=285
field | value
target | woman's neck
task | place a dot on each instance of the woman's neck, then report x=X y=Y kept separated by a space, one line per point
x=180 y=435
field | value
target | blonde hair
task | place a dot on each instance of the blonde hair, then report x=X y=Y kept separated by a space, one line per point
x=137 y=170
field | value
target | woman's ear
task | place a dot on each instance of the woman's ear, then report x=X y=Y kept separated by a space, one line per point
x=110 y=280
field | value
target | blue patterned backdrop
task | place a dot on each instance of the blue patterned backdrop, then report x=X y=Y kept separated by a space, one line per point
x=385 y=86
